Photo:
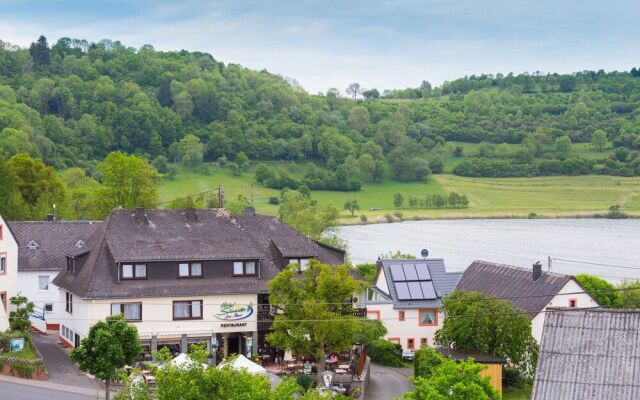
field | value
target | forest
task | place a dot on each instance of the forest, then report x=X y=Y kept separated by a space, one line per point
x=72 y=103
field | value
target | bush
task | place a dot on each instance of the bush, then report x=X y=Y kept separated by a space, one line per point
x=363 y=218
x=425 y=360
x=385 y=353
x=398 y=215
x=305 y=381
x=274 y=200
x=367 y=270
x=389 y=217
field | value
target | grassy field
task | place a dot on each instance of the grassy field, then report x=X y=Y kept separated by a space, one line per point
x=489 y=197
x=517 y=394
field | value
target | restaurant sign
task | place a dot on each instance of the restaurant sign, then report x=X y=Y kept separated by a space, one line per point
x=234 y=311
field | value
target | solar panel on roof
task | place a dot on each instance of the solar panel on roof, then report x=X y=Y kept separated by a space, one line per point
x=396 y=273
x=415 y=291
x=428 y=290
x=410 y=272
x=423 y=272
x=402 y=291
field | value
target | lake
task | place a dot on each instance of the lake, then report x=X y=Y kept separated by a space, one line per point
x=510 y=241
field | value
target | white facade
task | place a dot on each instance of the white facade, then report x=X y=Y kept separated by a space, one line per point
x=8 y=271
x=564 y=298
x=158 y=326
x=37 y=287
x=405 y=326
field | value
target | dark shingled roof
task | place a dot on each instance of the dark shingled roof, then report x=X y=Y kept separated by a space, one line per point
x=481 y=358
x=55 y=239
x=589 y=354
x=443 y=282
x=513 y=283
x=167 y=235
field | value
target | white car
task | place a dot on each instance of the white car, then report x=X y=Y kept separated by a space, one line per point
x=407 y=354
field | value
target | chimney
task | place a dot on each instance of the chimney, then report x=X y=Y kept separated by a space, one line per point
x=190 y=215
x=50 y=218
x=537 y=270
x=140 y=217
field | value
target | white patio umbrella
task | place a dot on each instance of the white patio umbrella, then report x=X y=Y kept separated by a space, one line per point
x=242 y=362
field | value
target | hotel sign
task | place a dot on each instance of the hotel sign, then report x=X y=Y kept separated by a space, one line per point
x=234 y=311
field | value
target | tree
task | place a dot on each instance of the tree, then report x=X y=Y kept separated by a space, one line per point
x=629 y=293
x=487 y=324
x=351 y=206
x=359 y=118
x=128 y=181
x=371 y=94
x=563 y=147
x=19 y=319
x=354 y=90
x=110 y=345
x=604 y=292
x=191 y=150
x=599 y=140
x=317 y=313
x=39 y=51
x=11 y=205
x=449 y=379
x=302 y=214
x=398 y=200
x=263 y=174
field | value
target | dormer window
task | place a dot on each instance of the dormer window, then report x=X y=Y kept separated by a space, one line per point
x=133 y=271
x=303 y=263
x=71 y=263
x=190 y=270
x=241 y=268
x=80 y=244
x=32 y=245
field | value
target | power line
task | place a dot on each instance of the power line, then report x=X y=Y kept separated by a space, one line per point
x=594 y=263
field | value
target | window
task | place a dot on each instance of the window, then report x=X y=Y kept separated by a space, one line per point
x=423 y=342
x=189 y=270
x=68 y=306
x=302 y=262
x=131 y=311
x=187 y=309
x=3 y=299
x=48 y=308
x=3 y=264
x=43 y=282
x=32 y=245
x=573 y=303
x=70 y=264
x=428 y=317
x=411 y=343
x=373 y=314
x=134 y=271
x=400 y=315
x=80 y=244
x=394 y=340
x=244 y=267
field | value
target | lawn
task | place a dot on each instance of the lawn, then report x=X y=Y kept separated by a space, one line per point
x=517 y=394
x=489 y=197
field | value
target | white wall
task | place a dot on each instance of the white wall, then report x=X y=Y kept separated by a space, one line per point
x=8 y=280
x=403 y=330
x=28 y=286
x=381 y=283
x=583 y=300
x=157 y=316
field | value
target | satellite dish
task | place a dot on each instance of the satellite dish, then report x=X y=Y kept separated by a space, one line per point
x=424 y=253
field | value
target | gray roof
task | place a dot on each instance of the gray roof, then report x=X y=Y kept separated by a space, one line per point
x=444 y=282
x=513 y=283
x=589 y=354
x=172 y=235
x=55 y=239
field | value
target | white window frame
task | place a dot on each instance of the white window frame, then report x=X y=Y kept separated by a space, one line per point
x=46 y=289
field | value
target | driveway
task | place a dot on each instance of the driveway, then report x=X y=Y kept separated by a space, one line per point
x=61 y=370
x=20 y=391
x=388 y=383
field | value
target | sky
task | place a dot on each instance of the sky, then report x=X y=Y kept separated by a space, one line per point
x=379 y=44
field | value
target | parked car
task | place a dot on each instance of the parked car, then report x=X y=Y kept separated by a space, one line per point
x=407 y=355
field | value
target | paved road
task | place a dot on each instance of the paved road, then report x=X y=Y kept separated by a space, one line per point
x=61 y=369
x=18 y=391
x=388 y=383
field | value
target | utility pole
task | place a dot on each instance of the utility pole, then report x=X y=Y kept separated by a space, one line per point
x=549 y=263
x=252 y=194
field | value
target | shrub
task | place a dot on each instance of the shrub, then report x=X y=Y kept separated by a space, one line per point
x=367 y=270
x=305 y=381
x=385 y=353
x=363 y=218
x=389 y=217
x=425 y=360
x=274 y=200
x=398 y=214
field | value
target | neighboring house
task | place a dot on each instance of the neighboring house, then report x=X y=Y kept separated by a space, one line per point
x=589 y=355
x=531 y=290
x=41 y=256
x=183 y=277
x=8 y=271
x=407 y=298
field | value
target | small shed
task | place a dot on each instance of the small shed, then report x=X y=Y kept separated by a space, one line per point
x=493 y=364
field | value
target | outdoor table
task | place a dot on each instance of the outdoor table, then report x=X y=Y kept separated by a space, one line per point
x=341 y=371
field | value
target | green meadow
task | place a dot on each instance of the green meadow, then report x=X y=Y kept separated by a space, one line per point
x=489 y=197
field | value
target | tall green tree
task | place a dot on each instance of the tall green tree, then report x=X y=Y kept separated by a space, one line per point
x=128 y=181
x=11 y=204
x=39 y=51
x=300 y=212
x=352 y=206
x=482 y=323
x=599 y=140
x=317 y=313
x=110 y=345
